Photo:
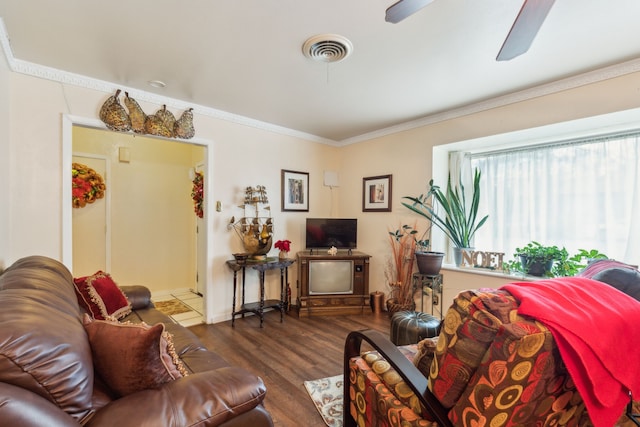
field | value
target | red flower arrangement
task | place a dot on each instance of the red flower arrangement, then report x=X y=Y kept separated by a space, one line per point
x=87 y=185
x=197 y=194
x=283 y=245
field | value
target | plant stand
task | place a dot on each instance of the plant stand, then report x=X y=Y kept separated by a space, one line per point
x=430 y=285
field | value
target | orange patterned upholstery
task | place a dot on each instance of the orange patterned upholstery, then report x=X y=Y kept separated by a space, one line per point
x=491 y=367
x=373 y=403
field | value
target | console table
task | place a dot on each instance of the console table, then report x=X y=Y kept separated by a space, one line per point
x=258 y=307
x=434 y=284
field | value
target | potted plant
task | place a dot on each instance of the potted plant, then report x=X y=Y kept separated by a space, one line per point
x=550 y=261
x=427 y=261
x=407 y=248
x=400 y=268
x=536 y=259
x=570 y=266
x=459 y=221
x=284 y=246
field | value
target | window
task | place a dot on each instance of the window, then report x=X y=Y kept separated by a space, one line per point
x=577 y=194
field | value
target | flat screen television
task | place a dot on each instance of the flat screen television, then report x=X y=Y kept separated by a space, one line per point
x=323 y=233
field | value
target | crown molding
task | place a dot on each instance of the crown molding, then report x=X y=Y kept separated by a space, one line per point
x=64 y=77
x=572 y=82
x=40 y=71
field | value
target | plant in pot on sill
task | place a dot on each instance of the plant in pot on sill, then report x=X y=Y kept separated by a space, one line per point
x=459 y=220
x=536 y=259
x=570 y=266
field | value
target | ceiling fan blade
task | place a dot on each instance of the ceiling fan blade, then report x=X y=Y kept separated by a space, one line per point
x=404 y=8
x=524 y=29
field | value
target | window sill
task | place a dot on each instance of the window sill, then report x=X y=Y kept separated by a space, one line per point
x=490 y=273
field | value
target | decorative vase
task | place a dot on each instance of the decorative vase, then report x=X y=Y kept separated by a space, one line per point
x=428 y=262
x=458 y=254
x=282 y=255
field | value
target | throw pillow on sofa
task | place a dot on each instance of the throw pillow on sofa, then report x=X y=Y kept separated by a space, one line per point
x=132 y=357
x=101 y=297
x=424 y=356
x=623 y=279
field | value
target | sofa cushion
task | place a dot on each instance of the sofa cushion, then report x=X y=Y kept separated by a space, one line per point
x=468 y=330
x=424 y=356
x=392 y=395
x=101 y=296
x=44 y=347
x=521 y=382
x=132 y=357
x=596 y=266
x=625 y=280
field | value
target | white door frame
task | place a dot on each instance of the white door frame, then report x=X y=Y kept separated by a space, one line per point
x=68 y=121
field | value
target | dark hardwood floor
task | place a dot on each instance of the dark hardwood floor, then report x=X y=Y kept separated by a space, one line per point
x=286 y=354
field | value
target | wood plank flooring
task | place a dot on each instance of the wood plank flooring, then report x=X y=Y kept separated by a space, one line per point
x=286 y=354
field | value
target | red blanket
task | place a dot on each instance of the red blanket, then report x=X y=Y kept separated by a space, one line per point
x=597 y=330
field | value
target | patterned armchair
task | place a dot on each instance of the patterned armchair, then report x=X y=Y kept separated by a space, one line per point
x=489 y=367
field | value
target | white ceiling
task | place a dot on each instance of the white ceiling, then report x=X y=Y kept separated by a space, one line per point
x=244 y=57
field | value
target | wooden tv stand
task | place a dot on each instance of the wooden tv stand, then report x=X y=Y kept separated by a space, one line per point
x=333 y=304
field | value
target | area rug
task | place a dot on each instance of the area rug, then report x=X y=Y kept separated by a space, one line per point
x=171 y=307
x=326 y=394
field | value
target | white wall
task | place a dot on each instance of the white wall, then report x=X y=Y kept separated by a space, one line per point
x=244 y=156
x=249 y=156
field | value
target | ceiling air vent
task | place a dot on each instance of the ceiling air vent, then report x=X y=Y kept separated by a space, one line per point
x=327 y=48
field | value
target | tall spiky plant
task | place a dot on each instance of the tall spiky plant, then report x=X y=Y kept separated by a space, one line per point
x=459 y=222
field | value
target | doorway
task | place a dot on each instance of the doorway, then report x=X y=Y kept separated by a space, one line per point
x=159 y=264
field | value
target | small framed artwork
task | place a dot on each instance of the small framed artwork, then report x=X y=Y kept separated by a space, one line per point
x=376 y=194
x=295 y=191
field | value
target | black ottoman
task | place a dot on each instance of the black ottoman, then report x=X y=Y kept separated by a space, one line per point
x=410 y=327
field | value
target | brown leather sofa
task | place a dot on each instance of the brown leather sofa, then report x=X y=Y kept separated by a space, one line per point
x=47 y=372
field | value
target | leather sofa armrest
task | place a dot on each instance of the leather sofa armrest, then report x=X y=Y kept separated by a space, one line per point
x=409 y=373
x=20 y=407
x=139 y=296
x=205 y=399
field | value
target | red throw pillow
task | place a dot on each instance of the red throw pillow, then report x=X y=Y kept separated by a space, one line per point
x=101 y=297
x=132 y=357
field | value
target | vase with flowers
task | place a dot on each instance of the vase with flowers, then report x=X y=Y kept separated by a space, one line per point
x=284 y=246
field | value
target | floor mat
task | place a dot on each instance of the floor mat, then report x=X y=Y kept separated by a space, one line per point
x=326 y=394
x=171 y=307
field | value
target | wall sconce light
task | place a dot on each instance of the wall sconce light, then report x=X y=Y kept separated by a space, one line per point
x=331 y=179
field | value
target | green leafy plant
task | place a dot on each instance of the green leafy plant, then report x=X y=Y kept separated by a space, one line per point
x=534 y=256
x=460 y=219
x=557 y=260
x=422 y=243
x=570 y=266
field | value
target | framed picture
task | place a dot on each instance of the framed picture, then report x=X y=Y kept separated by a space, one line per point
x=376 y=194
x=295 y=191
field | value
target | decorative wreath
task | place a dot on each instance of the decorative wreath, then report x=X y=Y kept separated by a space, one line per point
x=197 y=194
x=87 y=185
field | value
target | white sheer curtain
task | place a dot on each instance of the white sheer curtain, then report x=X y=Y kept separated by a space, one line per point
x=578 y=195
